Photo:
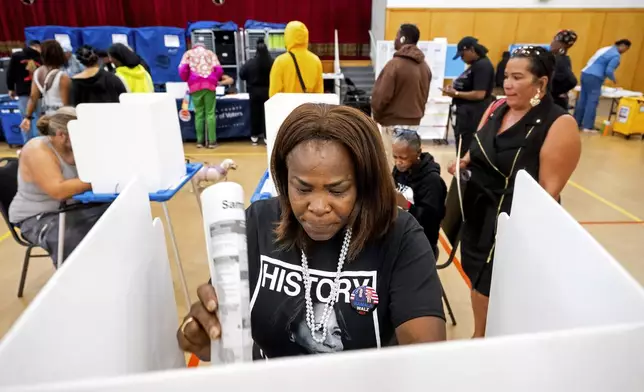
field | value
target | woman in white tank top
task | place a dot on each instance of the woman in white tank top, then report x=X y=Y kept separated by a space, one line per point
x=50 y=83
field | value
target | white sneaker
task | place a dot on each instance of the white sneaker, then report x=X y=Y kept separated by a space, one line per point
x=586 y=130
x=254 y=140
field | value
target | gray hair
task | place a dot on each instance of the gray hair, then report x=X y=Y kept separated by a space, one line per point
x=49 y=124
x=408 y=136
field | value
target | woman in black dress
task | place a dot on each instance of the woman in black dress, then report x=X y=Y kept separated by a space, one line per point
x=564 y=78
x=526 y=131
x=256 y=72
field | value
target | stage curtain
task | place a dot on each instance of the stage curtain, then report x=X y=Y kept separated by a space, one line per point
x=352 y=18
x=14 y=16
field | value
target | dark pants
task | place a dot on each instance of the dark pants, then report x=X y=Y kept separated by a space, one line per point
x=42 y=230
x=586 y=108
x=257 y=116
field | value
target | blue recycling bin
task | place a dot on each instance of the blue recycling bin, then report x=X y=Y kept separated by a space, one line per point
x=10 y=119
x=162 y=48
x=59 y=33
x=102 y=37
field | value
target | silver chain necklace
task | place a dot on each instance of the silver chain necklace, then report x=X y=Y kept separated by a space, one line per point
x=319 y=330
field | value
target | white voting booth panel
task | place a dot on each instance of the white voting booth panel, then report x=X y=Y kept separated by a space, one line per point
x=108 y=311
x=279 y=106
x=607 y=359
x=138 y=137
x=551 y=274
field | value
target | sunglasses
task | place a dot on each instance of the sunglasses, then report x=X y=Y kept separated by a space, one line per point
x=400 y=131
x=527 y=51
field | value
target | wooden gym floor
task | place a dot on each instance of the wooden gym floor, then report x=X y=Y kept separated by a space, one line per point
x=605 y=195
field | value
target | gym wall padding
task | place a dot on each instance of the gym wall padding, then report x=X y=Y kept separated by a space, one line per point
x=497 y=29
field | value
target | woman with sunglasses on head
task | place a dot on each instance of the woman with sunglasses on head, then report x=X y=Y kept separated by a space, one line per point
x=564 y=78
x=525 y=131
x=335 y=238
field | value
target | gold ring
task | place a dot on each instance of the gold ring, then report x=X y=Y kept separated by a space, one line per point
x=184 y=324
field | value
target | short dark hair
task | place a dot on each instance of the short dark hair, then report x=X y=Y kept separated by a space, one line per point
x=375 y=210
x=624 y=41
x=53 y=55
x=33 y=42
x=410 y=32
x=542 y=61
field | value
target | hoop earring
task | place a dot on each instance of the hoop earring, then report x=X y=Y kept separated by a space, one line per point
x=534 y=101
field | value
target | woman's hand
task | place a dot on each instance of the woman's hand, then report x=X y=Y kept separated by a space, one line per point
x=463 y=162
x=401 y=200
x=25 y=125
x=200 y=325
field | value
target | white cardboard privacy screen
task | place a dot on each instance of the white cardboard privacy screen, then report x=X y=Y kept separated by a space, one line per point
x=138 y=137
x=607 y=359
x=109 y=310
x=279 y=106
x=551 y=274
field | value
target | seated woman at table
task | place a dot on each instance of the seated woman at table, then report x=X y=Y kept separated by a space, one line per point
x=47 y=180
x=334 y=228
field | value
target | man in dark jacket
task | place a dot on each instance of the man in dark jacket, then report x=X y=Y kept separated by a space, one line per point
x=400 y=94
x=19 y=75
x=421 y=190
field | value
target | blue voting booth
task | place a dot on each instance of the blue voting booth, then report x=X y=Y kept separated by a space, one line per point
x=257 y=25
x=210 y=25
x=102 y=37
x=162 y=48
x=59 y=33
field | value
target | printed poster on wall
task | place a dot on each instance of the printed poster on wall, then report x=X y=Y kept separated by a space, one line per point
x=435 y=56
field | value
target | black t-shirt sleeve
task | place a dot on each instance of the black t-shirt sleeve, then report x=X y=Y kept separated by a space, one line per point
x=482 y=75
x=252 y=243
x=414 y=288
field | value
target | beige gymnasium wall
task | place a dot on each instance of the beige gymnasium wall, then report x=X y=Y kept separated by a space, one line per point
x=499 y=28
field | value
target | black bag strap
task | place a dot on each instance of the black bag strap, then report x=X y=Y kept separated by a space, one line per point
x=299 y=74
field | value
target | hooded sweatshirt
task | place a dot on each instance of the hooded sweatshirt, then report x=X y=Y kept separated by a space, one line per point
x=429 y=194
x=402 y=88
x=21 y=69
x=200 y=68
x=103 y=87
x=283 y=74
x=136 y=80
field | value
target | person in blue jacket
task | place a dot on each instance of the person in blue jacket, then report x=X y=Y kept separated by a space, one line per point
x=601 y=66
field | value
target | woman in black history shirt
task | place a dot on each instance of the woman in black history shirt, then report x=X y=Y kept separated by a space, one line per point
x=334 y=228
x=471 y=91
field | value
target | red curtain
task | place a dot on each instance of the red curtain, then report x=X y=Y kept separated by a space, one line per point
x=352 y=18
x=14 y=16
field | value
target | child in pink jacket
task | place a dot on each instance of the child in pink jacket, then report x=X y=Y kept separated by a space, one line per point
x=200 y=68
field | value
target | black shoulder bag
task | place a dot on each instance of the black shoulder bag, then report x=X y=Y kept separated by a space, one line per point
x=299 y=74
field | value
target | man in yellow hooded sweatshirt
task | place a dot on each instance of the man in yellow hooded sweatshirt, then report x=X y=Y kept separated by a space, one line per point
x=284 y=78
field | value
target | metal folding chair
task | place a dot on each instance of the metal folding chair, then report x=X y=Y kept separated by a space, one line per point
x=8 y=189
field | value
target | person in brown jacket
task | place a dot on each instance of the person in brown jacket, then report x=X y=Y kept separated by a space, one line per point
x=400 y=93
